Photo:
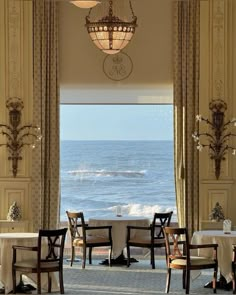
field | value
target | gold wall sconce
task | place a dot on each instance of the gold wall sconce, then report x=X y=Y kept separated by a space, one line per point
x=16 y=135
x=217 y=140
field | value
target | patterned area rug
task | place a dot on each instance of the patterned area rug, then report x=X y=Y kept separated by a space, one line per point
x=139 y=278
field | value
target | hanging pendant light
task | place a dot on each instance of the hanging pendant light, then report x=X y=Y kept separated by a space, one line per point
x=111 y=34
x=85 y=3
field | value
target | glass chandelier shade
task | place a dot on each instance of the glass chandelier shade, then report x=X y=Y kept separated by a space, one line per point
x=85 y=3
x=111 y=34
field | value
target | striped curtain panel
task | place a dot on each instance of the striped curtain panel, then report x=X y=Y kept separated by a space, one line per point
x=186 y=105
x=45 y=169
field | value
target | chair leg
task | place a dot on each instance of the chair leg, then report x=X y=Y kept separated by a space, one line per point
x=109 y=257
x=90 y=255
x=214 y=281
x=72 y=255
x=168 y=277
x=14 y=281
x=84 y=257
x=39 y=283
x=152 y=258
x=128 y=255
x=61 y=281
x=187 y=281
x=233 y=278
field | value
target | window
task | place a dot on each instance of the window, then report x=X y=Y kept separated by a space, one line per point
x=117 y=155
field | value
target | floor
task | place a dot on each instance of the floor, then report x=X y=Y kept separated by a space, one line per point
x=139 y=278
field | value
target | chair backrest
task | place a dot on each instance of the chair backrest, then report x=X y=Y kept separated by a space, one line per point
x=177 y=242
x=55 y=241
x=76 y=221
x=161 y=220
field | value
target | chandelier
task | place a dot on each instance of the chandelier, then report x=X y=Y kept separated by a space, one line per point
x=85 y=3
x=218 y=139
x=110 y=33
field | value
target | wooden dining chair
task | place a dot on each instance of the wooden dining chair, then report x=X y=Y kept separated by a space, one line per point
x=152 y=236
x=85 y=236
x=234 y=268
x=47 y=261
x=178 y=256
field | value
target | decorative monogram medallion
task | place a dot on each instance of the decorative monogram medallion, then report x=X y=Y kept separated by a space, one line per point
x=117 y=67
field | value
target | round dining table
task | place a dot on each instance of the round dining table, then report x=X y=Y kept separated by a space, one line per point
x=224 y=250
x=7 y=240
x=119 y=229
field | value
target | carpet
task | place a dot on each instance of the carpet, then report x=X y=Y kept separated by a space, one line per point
x=138 y=279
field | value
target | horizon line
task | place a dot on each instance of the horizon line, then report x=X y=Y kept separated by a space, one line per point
x=116 y=139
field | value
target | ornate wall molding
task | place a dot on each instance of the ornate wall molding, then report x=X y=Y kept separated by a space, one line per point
x=218 y=68
x=16 y=81
x=14 y=49
x=218 y=49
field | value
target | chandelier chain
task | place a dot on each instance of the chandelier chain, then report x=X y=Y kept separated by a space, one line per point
x=131 y=8
x=110 y=8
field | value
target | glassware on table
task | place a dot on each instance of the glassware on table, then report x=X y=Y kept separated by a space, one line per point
x=118 y=211
x=227 y=226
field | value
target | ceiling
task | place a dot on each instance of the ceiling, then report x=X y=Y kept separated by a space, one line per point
x=82 y=78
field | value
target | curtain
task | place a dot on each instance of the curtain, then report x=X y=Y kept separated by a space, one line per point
x=186 y=105
x=45 y=167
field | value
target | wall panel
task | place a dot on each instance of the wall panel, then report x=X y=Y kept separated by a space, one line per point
x=217 y=74
x=16 y=81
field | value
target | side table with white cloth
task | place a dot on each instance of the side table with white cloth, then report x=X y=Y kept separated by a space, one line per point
x=224 y=252
x=7 y=240
x=119 y=229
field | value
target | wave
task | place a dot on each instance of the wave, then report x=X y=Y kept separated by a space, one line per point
x=131 y=209
x=98 y=173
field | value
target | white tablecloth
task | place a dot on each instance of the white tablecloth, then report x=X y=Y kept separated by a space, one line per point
x=224 y=250
x=7 y=240
x=119 y=229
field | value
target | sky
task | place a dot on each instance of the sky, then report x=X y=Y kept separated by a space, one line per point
x=116 y=122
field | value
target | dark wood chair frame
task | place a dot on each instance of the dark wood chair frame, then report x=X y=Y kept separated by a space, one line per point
x=234 y=269
x=156 y=233
x=178 y=247
x=79 y=229
x=52 y=262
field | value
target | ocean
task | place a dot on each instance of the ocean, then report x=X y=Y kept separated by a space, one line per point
x=97 y=176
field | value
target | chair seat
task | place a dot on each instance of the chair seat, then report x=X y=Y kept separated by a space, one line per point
x=90 y=240
x=33 y=264
x=146 y=240
x=194 y=260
